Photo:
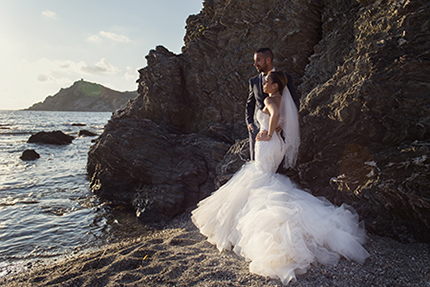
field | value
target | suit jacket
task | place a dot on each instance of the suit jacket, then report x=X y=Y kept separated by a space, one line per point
x=256 y=96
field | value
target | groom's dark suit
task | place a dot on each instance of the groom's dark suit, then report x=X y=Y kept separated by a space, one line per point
x=256 y=101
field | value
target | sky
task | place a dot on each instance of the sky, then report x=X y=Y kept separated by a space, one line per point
x=46 y=45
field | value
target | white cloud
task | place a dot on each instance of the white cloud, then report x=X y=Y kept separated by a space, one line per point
x=49 y=14
x=27 y=82
x=94 y=39
x=131 y=74
x=44 y=77
x=101 y=67
x=49 y=69
x=114 y=37
x=109 y=36
x=64 y=65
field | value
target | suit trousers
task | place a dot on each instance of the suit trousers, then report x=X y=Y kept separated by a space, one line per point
x=252 y=135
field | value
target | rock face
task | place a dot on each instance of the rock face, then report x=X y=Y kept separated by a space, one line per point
x=366 y=115
x=54 y=137
x=85 y=96
x=362 y=70
x=160 y=172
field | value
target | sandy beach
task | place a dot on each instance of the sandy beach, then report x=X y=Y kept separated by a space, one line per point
x=178 y=255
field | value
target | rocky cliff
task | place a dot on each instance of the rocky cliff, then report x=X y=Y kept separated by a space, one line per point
x=362 y=70
x=85 y=96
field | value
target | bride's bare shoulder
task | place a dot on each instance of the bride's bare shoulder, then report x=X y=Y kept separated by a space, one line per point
x=274 y=100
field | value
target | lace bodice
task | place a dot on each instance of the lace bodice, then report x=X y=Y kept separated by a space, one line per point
x=268 y=154
x=289 y=124
x=263 y=119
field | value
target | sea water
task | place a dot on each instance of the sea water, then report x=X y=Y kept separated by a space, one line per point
x=46 y=207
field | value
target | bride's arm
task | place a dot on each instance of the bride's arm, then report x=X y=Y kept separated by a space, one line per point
x=273 y=109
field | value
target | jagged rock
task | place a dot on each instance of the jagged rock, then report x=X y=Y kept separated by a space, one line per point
x=160 y=173
x=86 y=133
x=200 y=93
x=54 y=137
x=236 y=156
x=366 y=116
x=29 y=154
x=362 y=70
x=85 y=96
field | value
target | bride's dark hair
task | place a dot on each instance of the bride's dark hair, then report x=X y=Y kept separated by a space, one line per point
x=279 y=78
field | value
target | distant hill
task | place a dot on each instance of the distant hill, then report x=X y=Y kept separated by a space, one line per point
x=85 y=96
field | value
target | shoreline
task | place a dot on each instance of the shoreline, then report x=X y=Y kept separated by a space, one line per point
x=178 y=255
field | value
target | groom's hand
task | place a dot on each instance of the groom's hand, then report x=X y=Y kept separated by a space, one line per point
x=251 y=127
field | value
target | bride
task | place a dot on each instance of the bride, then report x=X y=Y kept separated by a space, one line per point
x=264 y=217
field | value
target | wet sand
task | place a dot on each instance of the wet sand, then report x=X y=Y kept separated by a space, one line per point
x=178 y=255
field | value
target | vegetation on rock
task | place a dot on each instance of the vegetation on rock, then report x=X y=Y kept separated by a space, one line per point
x=85 y=96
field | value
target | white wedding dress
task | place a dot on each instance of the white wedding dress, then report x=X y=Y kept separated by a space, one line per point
x=280 y=228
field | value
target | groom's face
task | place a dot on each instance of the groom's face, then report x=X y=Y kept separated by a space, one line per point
x=260 y=62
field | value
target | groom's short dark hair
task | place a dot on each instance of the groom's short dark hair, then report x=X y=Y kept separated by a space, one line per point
x=266 y=52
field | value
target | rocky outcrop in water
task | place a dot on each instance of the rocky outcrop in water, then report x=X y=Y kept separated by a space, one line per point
x=86 y=133
x=362 y=70
x=54 y=137
x=29 y=154
x=85 y=96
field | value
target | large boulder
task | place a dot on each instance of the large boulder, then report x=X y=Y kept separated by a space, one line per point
x=362 y=70
x=138 y=162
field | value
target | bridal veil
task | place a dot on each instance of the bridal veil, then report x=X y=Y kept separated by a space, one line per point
x=289 y=122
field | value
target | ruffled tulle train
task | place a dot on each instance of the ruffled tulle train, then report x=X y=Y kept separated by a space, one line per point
x=281 y=229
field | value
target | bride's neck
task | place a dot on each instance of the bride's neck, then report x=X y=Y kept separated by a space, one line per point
x=274 y=94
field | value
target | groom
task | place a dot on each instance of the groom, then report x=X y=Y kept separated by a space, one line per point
x=263 y=62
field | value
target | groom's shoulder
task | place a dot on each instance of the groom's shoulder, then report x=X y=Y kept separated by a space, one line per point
x=254 y=78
